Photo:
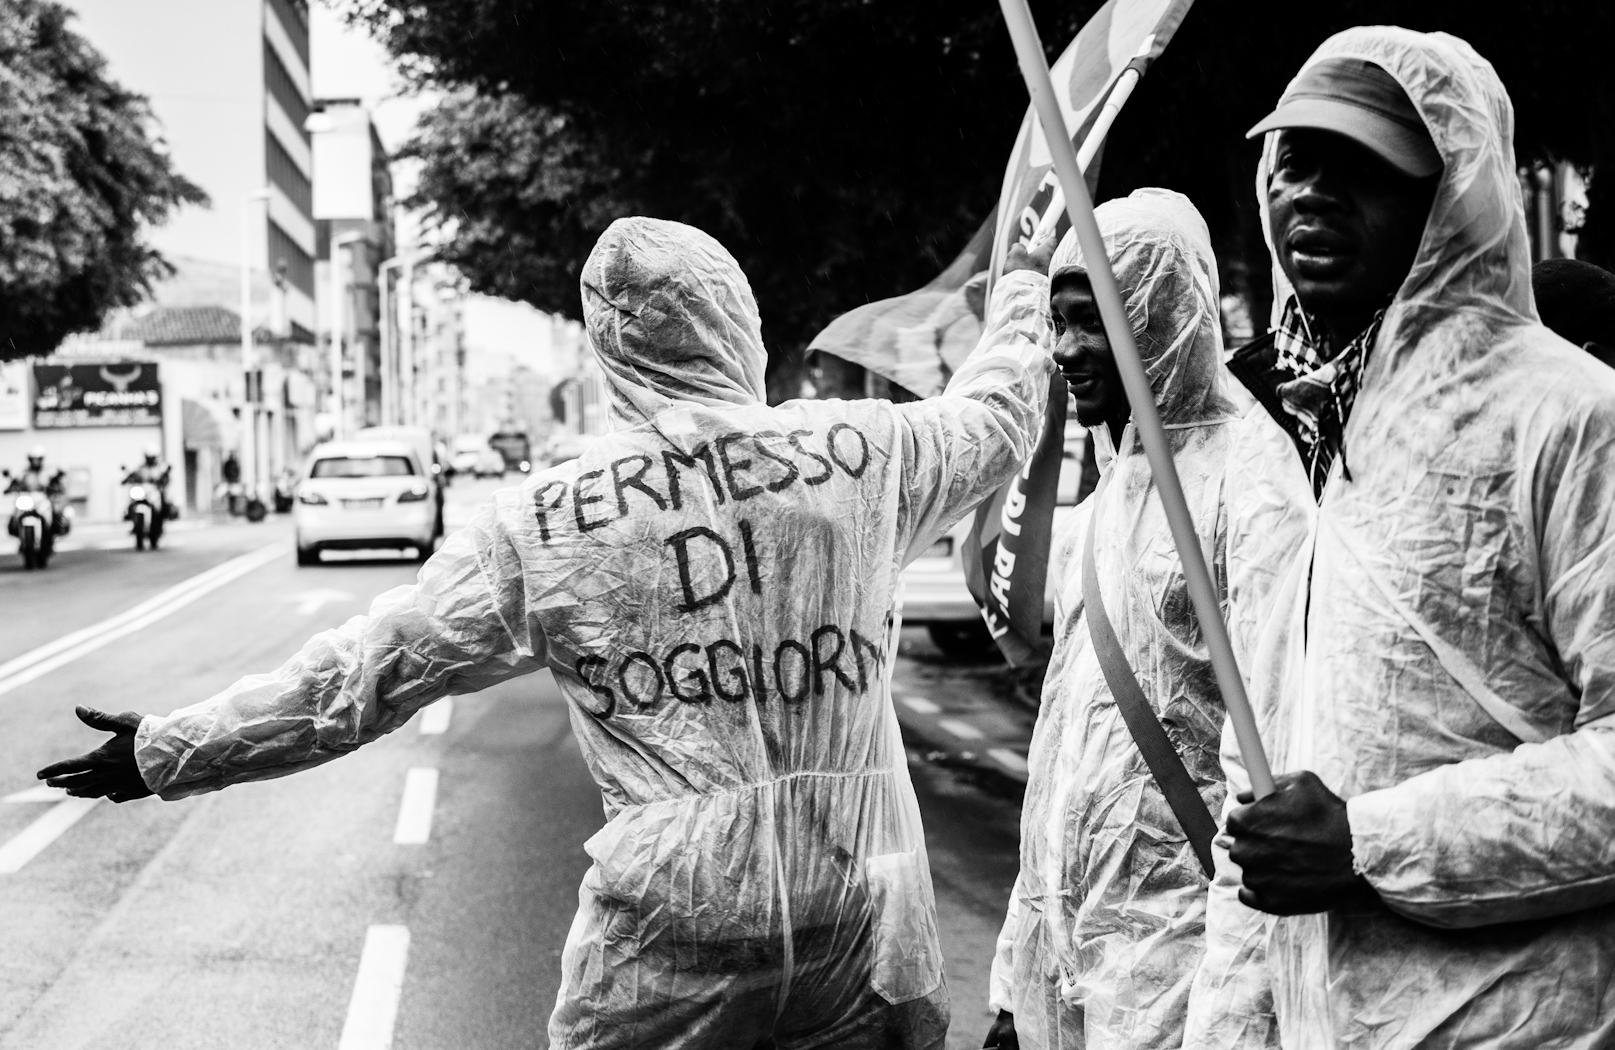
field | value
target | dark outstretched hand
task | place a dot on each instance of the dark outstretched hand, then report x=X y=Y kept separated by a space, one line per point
x=1002 y=1033
x=1294 y=849
x=110 y=771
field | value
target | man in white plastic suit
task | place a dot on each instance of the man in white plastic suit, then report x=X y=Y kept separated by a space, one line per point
x=1107 y=920
x=1423 y=509
x=712 y=586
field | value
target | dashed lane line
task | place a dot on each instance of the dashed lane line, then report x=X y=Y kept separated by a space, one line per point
x=1010 y=760
x=414 y=826
x=32 y=840
x=962 y=730
x=373 y=1010
x=435 y=719
x=64 y=650
x=920 y=705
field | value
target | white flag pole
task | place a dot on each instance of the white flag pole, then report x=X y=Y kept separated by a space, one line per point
x=1119 y=94
x=1029 y=50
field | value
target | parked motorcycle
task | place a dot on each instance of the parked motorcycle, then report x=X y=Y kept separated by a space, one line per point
x=146 y=514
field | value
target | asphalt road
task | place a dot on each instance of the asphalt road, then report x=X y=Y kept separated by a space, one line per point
x=420 y=889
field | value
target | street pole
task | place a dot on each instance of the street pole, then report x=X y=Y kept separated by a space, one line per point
x=249 y=407
x=1202 y=591
x=338 y=406
x=397 y=334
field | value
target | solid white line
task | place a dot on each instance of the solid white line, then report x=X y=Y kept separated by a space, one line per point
x=1010 y=760
x=41 y=793
x=414 y=826
x=435 y=719
x=962 y=730
x=70 y=647
x=920 y=705
x=27 y=844
x=374 y=1006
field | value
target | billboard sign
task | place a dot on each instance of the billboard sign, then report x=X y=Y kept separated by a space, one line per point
x=115 y=395
x=13 y=396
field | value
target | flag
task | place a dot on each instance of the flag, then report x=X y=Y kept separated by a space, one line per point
x=918 y=340
x=1006 y=555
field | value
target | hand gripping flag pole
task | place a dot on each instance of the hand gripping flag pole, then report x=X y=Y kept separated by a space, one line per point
x=1035 y=70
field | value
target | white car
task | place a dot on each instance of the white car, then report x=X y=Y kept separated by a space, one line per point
x=934 y=592
x=359 y=495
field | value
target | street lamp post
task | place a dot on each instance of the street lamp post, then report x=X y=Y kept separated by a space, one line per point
x=249 y=407
x=398 y=338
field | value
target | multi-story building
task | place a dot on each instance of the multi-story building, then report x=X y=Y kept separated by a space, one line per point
x=352 y=203
x=229 y=84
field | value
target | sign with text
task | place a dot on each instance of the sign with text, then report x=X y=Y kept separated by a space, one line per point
x=126 y=394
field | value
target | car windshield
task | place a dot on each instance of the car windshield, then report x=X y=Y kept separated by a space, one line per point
x=361 y=467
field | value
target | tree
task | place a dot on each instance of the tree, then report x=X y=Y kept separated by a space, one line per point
x=844 y=150
x=80 y=177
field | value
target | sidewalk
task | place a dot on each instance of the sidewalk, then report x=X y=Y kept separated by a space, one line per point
x=964 y=716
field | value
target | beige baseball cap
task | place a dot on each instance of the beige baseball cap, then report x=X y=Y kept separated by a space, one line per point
x=1360 y=100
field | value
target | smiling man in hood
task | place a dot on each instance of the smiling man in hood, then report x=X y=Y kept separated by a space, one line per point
x=1421 y=559
x=711 y=585
x=1106 y=922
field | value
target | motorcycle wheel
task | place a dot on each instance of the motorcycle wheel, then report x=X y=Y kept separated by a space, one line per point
x=28 y=558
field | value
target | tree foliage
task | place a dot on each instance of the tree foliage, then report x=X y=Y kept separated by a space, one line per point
x=845 y=149
x=80 y=176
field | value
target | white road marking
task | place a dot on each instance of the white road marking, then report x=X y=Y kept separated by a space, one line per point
x=920 y=705
x=435 y=719
x=414 y=826
x=70 y=647
x=30 y=841
x=962 y=730
x=40 y=793
x=309 y=602
x=374 y=1007
x=1011 y=760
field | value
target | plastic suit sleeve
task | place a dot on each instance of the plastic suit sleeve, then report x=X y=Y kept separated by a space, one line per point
x=956 y=447
x=1523 y=835
x=1001 y=980
x=1231 y=999
x=461 y=628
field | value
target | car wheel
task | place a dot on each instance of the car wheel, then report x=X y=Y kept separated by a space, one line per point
x=308 y=556
x=964 y=640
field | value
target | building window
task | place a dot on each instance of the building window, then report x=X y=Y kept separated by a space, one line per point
x=299 y=266
x=284 y=173
x=293 y=15
x=283 y=89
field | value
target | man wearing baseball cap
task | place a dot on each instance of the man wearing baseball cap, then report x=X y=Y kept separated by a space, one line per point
x=1421 y=571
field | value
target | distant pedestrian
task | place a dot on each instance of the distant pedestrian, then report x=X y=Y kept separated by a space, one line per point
x=1106 y=923
x=1577 y=300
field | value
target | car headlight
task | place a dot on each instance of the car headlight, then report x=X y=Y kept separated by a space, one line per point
x=137 y=493
x=413 y=495
x=311 y=498
x=526 y=466
x=25 y=503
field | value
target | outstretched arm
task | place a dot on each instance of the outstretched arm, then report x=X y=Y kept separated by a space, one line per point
x=462 y=627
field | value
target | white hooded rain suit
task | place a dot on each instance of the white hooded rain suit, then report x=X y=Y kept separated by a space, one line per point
x=1436 y=640
x=1107 y=919
x=712 y=587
